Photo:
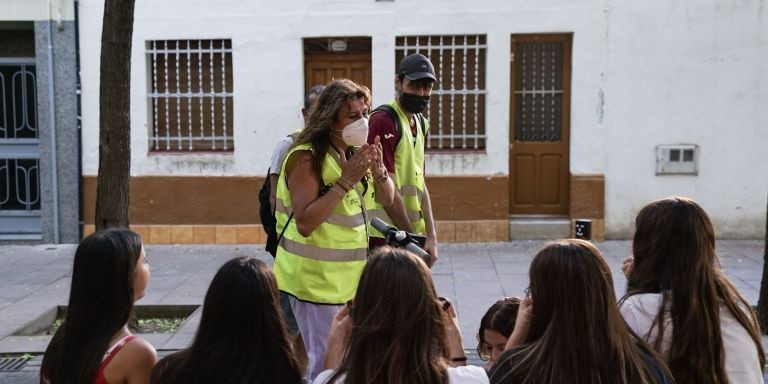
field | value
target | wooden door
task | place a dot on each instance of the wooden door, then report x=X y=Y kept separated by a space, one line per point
x=322 y=66
x=539 y=124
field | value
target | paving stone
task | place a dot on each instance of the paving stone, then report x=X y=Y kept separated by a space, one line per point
x=473 y=276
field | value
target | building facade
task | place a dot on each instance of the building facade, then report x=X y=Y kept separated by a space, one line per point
x=546 y=112
x=39 y=132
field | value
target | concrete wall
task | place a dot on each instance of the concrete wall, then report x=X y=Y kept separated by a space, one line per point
x=66 y=195
x=15 y=10
x=687 y=73
x=643 y=74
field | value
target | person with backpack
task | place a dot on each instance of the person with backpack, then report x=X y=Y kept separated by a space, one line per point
x=267 y=213
x=329 y=178
x=278 y=155
x=402 y=129
x=269 y=188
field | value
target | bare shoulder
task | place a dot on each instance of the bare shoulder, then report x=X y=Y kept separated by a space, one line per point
x=141 y=349
x=132 y=364
x=301 y=157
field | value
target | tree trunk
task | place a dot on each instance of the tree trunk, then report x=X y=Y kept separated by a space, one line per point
x=762 y=302
x=112 y=185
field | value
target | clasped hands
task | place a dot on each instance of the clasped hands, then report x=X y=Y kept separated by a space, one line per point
x=368 y=157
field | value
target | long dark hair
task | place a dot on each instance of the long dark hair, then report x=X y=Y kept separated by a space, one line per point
x=100 y=304
x=317 y=130
x=577 y=334
x=500 y=317
x=241 y=337
x=398 y=335
x=674 y=250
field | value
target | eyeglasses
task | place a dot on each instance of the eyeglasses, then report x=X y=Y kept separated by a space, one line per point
x=527 y=292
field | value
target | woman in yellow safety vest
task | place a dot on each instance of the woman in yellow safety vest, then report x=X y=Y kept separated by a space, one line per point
x=327 y=179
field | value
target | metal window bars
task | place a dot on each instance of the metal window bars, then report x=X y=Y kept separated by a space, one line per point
x=191 y=95
x=457 y=106
x=539 y=91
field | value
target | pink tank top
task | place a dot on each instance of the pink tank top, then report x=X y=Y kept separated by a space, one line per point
x=111 y=352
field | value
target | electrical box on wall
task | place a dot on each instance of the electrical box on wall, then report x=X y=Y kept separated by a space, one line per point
x=679 y=159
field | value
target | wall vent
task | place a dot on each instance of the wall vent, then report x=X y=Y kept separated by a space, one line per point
x=678 y=159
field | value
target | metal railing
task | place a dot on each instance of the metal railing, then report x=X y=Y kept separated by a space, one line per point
x=457 y=105
x=539 y=91
x=191 y=95
x=20 y=211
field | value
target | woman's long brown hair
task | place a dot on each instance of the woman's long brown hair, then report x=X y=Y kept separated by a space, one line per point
x=674 y=250
x=398 y=335
x=241 y=337
x=317 y=130
x=577 y=334
x=100 y=304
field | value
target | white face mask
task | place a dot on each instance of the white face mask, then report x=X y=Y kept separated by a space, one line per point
x=355 y=134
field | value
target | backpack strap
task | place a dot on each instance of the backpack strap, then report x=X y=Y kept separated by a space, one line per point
x=386 y=108
x=422 y=124
x=284 y=228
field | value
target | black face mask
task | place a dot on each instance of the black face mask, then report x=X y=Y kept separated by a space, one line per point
x=413 y=103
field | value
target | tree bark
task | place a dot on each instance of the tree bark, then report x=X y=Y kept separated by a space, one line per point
x=113 y=181
x=762 y=302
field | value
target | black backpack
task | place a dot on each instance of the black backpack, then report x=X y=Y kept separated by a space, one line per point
x=267 y=215
x=268 y=221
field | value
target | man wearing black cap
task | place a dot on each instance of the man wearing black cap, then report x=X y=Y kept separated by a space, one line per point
x=402 y=130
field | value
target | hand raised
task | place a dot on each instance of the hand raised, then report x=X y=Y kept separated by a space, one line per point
x=354 y=168
x=522 y=324
x=377 y=168
x=628 y=265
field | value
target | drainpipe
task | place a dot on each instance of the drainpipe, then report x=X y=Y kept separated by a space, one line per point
x=80 y=222
x=52 y=117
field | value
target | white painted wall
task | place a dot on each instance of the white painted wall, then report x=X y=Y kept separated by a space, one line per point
x=644 y=73
x=688 y=73
x=30 y=10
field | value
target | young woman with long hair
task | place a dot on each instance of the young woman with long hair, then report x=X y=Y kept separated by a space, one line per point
x=328 y=179
x=93 y=344
x=241 y=337
x=570 y=329
x=495 y=328
x=681 y=303
x=397 y=331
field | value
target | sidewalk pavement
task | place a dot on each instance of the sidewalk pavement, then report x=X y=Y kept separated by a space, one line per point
x=34 y=279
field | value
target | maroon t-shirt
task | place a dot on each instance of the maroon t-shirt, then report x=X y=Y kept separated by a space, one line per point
x=382 y=125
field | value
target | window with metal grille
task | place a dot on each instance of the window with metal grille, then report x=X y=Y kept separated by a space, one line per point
x=456 y=108
x=538 y=86
x=191 y=95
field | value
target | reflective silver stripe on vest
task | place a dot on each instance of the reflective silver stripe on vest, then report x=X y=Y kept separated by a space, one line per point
x=382 y=214
x=411 y=190
x=333 y=218
x=323 y=254
x=280 y=207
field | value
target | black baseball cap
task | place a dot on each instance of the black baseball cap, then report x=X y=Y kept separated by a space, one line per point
x=415 y=67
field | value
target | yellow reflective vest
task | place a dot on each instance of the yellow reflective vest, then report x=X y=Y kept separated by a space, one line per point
x=409 y=173
x=325 y=266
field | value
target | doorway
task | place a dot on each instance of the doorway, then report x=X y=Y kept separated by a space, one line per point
x=329 y=58
x=539 y=124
